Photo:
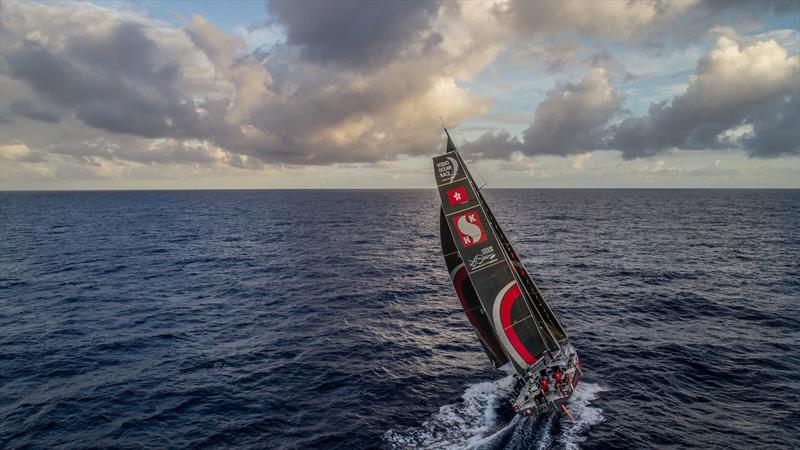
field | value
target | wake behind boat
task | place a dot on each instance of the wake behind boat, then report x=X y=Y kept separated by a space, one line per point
x=512 y=320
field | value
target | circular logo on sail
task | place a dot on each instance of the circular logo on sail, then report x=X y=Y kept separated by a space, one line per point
x=470 y=230
x=454 y=163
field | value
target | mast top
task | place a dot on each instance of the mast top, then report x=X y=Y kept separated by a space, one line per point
x=451 y=147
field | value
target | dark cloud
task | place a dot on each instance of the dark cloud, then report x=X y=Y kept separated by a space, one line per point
x=776 y=129
x=31 y=111
x=493 y=144
x=695 y=23
x=354 y=82
x=201 y=84
x=743 y=95
x=736 y=86
x=112 y=84
x=355 y=34
x=572 y=119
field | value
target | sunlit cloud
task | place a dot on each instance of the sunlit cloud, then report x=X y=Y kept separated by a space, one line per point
x=120 y=97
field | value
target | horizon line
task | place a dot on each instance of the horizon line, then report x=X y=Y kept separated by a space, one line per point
x=406 y=189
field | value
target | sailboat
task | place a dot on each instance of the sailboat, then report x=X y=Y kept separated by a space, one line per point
x=511 y=318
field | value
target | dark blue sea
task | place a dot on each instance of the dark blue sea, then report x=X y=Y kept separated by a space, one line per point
x=326 y=319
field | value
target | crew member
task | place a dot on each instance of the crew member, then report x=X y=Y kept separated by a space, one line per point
x=557 y=378
x=544 y=385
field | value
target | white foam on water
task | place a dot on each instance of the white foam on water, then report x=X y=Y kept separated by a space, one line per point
x=467 y=424
x=459 y=425
x=586 y=415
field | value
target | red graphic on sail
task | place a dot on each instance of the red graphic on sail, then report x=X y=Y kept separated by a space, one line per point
x=457 y=196
x=506 y=303
x=470 y=230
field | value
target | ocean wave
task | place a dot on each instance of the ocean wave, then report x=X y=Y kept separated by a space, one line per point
x=475 y=423
x=457 y=425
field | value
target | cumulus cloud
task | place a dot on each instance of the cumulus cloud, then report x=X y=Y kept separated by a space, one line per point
x=126 y=75
x=618 y=19
x=20 y=152
x=109 y=70
x=350 y=82
x=29 y=110
x=650 y=22
x=756 y=84
x=744 y=94
x=572 y=119
x=494 y=144
x=357 y=34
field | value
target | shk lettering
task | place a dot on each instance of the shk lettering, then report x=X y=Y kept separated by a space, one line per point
x=469 y=228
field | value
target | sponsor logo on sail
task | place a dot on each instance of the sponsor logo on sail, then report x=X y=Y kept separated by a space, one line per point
x=447 y=170
x=484 y=258
x=457 y=196
x=455 y=168
x=470 y=230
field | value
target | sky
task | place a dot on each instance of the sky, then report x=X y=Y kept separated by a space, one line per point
x=353 y=94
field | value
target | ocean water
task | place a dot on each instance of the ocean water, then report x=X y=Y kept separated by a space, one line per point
x=326 y=319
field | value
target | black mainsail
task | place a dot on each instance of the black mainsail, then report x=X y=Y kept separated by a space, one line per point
x=468 y=297
x=489 y=268
x=510 y=316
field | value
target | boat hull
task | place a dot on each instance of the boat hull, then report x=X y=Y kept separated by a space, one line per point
x=532 y=399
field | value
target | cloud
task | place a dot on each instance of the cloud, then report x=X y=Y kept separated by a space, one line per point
x=736 y=84
x=572 y=119
x=29 y=110
x=357 y=34
x=112 y=82
x=132 y=80
x=20 y=152
x=616 y=19
x=494 y=145
x=579 y=161
x=744 y=94
x=347 y=82
x=652 y=23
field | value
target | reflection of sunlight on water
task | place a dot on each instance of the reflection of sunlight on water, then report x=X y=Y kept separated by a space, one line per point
x=466 y=425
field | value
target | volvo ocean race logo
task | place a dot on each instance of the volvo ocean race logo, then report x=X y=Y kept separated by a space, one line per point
x=470 y=230
x=447 y=170
x=455 y=168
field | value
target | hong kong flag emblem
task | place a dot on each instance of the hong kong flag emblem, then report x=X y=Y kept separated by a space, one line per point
x=457 y=196
x=470 y=230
